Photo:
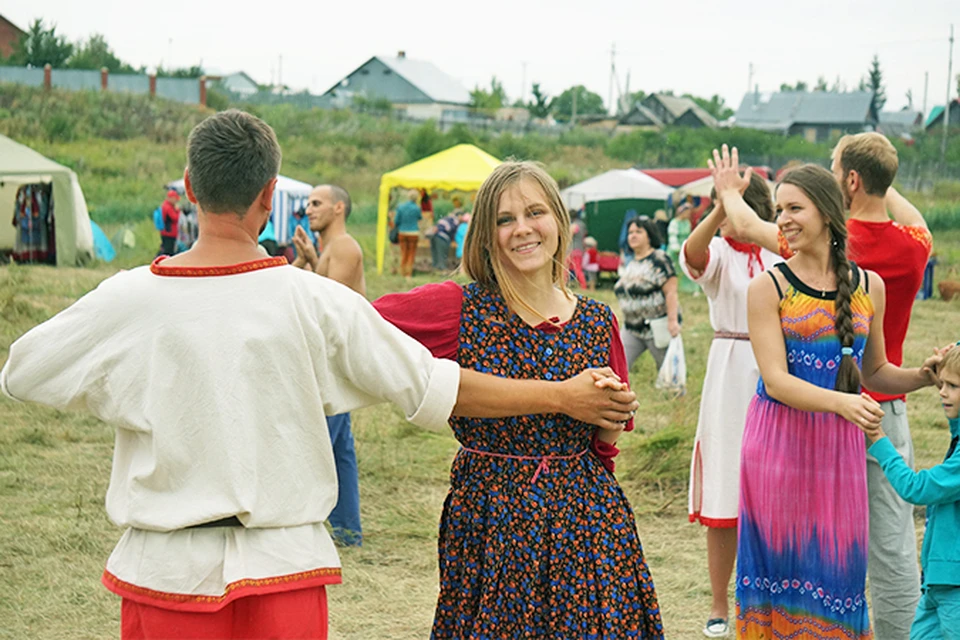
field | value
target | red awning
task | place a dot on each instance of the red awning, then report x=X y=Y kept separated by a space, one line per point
x=680 y=177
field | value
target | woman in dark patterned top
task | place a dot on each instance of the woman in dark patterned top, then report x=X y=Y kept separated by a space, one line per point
x=537 y=539
x=647 y=291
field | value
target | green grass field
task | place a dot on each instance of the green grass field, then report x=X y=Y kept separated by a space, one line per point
x=54 y=468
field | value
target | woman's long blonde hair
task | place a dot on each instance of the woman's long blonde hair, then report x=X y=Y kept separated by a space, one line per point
x=481 y=255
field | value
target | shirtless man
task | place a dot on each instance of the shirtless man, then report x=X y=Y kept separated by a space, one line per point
x=341 y=260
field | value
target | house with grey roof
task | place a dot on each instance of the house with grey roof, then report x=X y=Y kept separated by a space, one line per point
x=818 y=116
x=682 y=112
x=416 y=87
x=900 y=124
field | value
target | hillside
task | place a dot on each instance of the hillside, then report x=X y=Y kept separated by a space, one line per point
x=124 y=148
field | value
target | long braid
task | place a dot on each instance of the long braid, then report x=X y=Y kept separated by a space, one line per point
x=848 y=374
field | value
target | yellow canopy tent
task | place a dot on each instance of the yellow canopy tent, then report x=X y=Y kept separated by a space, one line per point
x=460 y=168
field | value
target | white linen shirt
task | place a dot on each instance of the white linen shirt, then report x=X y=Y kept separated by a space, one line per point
x=218 y=386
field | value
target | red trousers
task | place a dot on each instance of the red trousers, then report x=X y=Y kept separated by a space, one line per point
x=299 y=614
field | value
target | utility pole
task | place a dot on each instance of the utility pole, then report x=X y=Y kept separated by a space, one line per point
x=926 y=83
x=523 y=81
x=573 y=110
x=613 y=73
x=750 y=78
x=946 y=106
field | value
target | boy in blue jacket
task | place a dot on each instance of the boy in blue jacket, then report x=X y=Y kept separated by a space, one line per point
x=938 y=612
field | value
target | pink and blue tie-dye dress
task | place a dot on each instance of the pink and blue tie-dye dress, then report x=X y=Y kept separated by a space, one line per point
x=802 y=543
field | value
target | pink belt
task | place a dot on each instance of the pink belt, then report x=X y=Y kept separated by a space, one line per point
x=730 y=335
x=544 y=465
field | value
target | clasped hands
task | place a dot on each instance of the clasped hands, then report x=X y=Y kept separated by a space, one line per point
x=599 y=397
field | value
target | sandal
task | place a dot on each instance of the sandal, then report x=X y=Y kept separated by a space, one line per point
x=716 y=628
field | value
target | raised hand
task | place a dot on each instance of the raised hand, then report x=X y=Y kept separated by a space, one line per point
x=725 y=169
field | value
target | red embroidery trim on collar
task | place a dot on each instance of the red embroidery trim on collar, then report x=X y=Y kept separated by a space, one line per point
x=158 y=268
x=751 y=250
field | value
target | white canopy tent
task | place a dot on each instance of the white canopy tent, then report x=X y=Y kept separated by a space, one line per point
x=21 y=165
x=703 y=186
x=614 y=185
x=289 y=196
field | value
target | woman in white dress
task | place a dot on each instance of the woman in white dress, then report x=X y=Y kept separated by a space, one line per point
x=723 y=267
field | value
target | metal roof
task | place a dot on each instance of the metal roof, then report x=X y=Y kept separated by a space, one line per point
x=426 y=77
x=778 y=111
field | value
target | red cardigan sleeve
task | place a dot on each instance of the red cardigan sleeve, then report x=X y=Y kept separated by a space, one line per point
x=430 y=314
x=618 y=362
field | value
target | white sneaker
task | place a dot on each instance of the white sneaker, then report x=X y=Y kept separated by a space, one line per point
x=716 y=628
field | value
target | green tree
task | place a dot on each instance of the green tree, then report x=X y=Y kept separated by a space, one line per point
x=424 y=141
x=490 y=100
x=800 y=86
x=715 y=106
x=875 y=84
x=540 y=106
x=821 y=84
x=95 y=53
x=185 y=72
x=39 y=46
x=588 y=103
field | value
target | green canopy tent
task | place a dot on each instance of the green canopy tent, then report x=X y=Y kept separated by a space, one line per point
x=607 y=197
x=20 y=165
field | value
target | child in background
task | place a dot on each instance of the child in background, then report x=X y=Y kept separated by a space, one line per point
x=591 y=262
x=938 y=612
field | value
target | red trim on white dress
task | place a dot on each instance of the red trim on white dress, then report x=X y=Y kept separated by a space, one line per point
x=714 y=523
x=160 y=269
x=233 y=591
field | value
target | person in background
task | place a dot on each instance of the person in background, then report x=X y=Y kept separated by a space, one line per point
x=591 y=262
x=678 y=230
x=170 y=212
x=938 y=612
x=187 y=228
x=578 y=232
x=461 y=238
x=407 y=220
x=647 y=292
x=442 y=234
x=426 y=206
x=723 y=267
x=662 y=221
x=328 y=208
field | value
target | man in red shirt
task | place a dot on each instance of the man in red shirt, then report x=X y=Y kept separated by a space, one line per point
x=865 y=165
x=897 y=250
x=170 y=209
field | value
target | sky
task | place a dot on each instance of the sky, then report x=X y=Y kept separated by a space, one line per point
x=703 y=47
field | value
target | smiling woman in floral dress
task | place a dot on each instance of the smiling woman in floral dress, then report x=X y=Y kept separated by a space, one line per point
x=536 y=539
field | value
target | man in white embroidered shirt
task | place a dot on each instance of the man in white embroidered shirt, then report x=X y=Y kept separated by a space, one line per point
x=217 y=367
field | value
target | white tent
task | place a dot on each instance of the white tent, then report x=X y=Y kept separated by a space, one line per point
x=614 y=185
x=289 y=196
x=21 y=165
x=703 y=186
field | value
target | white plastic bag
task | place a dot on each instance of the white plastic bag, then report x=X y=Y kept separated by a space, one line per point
x=673 y=372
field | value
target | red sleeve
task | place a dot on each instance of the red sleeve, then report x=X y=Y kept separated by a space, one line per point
x=782 y=247
x=430 y=314
x=618 y=362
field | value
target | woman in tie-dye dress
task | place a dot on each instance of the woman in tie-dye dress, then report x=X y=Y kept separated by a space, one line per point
x=802 y=544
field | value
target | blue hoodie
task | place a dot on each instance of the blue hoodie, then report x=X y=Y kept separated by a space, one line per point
x=939 y=489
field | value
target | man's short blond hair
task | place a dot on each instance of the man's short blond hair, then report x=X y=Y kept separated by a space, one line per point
x=872 y=156
x=951 y=361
